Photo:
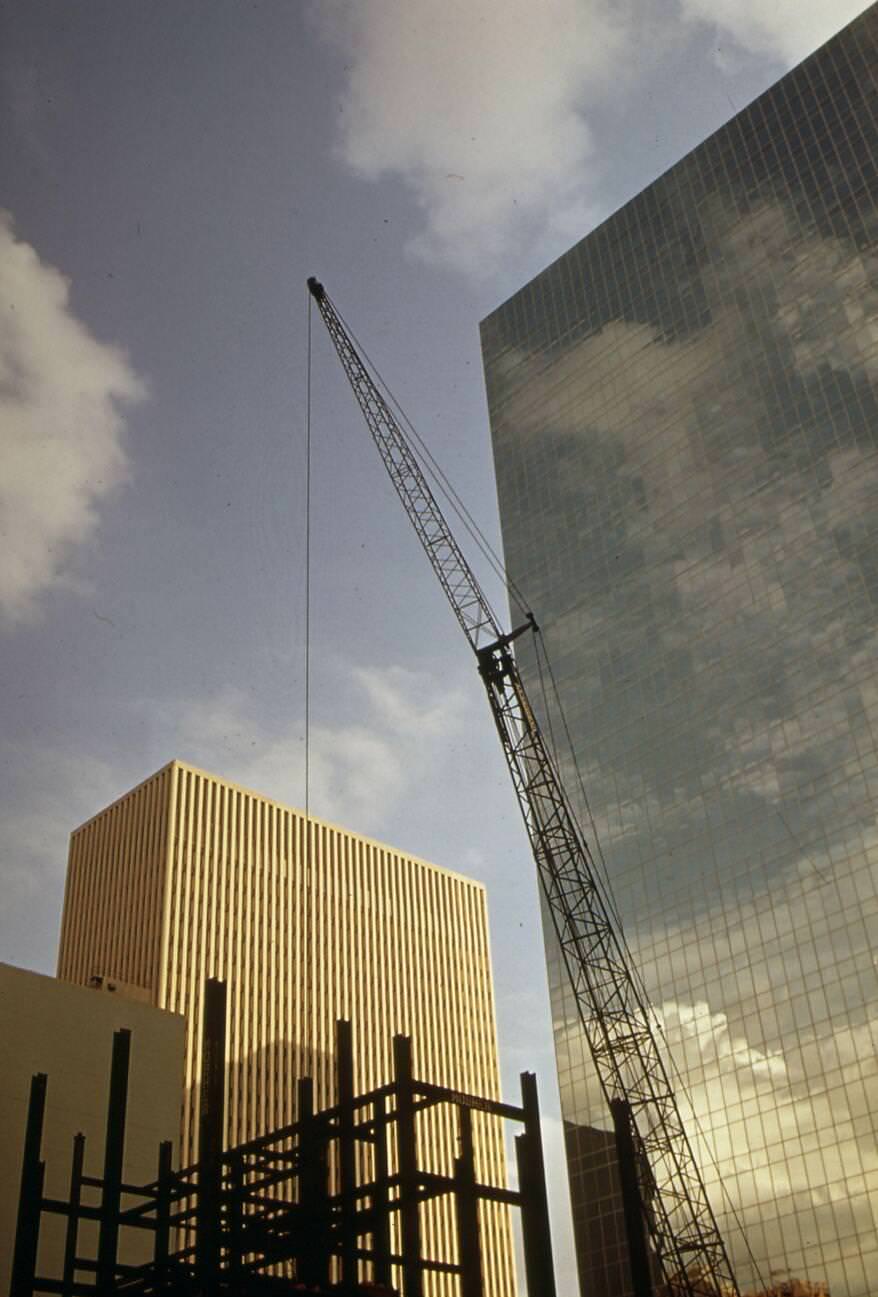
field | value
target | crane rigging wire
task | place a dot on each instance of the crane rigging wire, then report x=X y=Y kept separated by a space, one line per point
x=447 y=489
x=307 y=764
x=308 y=828
x=441 y=481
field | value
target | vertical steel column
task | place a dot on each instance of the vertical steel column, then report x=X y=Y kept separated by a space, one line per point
x=407 y=1161
x=27 y=1229
x=381 y=1196
x=114 y=1152
x=467 y=1208
x=161 y=1244
x=344 y=1047
x=237 y=1181
x=72 y=1232
x=312 y=1252
x=535 y=1230
x=210 y=1136
x=632 y=1204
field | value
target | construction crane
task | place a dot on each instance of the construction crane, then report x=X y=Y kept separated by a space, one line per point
x=617 y=1020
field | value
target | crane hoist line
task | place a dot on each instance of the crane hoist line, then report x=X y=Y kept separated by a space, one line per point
x=617 y=1020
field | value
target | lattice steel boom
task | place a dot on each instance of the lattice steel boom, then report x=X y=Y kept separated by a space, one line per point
x=618 y=1022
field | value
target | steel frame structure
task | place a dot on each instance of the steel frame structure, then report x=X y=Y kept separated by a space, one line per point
x=618 y=1022
x=292 y=1198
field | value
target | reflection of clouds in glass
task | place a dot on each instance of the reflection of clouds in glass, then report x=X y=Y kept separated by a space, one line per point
x=782 y=1084
x=695 y=505
x=786 y=1133
x=782 y=1134
x=722 y=561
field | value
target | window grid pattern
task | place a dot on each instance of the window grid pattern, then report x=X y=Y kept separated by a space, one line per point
x=684 y=411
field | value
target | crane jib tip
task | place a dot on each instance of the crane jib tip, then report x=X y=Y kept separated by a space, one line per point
x=316 y=289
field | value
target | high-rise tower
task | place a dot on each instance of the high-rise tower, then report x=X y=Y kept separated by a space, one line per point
x=189 y=877
x=684 y=411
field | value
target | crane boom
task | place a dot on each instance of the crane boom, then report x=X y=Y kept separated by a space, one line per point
x=617 y=1020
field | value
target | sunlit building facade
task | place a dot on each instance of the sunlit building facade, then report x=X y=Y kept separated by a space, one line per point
x=684 y=410
x=66 y=1033
x=189 y=876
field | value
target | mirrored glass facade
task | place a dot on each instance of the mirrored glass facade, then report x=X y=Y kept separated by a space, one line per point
x=684 y=410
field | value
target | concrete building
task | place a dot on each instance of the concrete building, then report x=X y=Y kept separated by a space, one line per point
x=685 y=424
x=67 y=1033
x=188 y=877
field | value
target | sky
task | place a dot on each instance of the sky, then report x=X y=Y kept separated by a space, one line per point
x=171 y=174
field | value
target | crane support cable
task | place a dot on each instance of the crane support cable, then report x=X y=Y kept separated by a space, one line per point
x=434 y=470
x=615 y=1016
x=307 y=763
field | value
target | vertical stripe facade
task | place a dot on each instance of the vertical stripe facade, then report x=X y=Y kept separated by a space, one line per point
x=189 y=877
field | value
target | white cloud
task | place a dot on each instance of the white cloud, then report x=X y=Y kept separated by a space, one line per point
x=358 y=772
x=787 y=30
x=482 y=107
x=47 y=794
x=60 y=427
x=478 y=107
x=781 y=1134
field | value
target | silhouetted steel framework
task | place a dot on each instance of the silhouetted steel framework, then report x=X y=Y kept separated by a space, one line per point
x=244 y=1211
x=618 y=1022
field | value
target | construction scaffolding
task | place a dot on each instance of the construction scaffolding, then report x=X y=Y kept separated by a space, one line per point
x=332 y=1200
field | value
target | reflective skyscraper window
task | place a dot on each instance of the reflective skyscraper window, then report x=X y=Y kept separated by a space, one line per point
x=684 y=411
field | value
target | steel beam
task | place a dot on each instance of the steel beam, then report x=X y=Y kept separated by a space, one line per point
x=346 y=1153
x=114 y=1152
x=407 y=1161
x=535 y=1228
x=467 y=1209
x=72 y=1232
x=632 y=1204
x=27 y=1229
x=380 y=1196
x=210 y=1136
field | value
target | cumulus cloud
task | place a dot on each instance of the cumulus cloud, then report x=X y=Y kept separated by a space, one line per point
x=483 y=108
x=777 y=1087
x=477 y=106
x=787 y=30
x=44 y=793
x=784 y=1132
x=358 y=772
x=62 y=395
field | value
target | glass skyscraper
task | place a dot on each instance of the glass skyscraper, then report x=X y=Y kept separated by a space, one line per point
x=684 y=410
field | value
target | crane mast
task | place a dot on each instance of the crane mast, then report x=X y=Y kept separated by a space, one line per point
x=617 y=1020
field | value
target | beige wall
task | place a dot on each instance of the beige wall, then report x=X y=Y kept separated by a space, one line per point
x=189 y=877
x=67 y=1032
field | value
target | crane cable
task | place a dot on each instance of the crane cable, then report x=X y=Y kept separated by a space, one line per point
x=307 y=764
x=433 y=470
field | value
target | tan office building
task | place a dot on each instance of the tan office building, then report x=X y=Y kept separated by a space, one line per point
x=67 y=1033
x=188 y=877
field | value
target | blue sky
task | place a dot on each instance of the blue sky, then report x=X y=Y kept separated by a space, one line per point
x=171 y=175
